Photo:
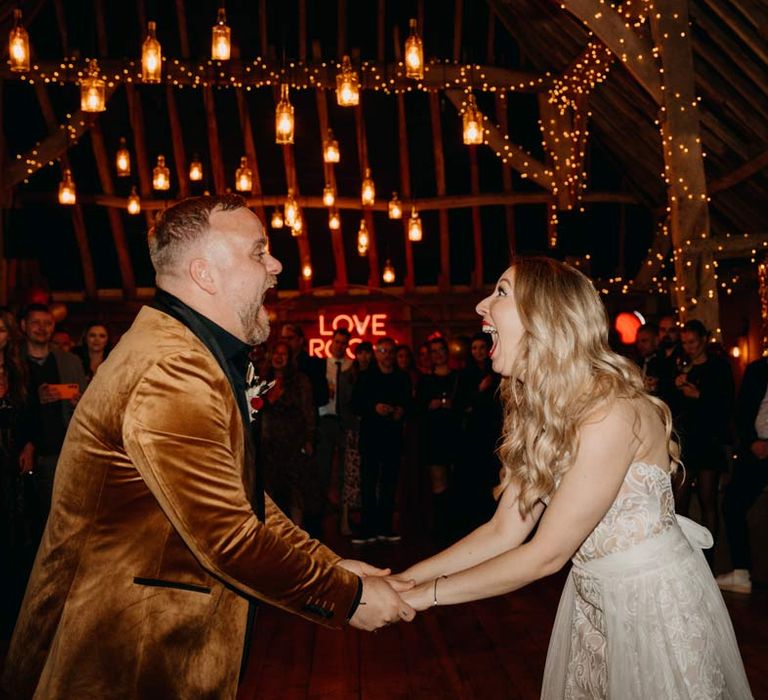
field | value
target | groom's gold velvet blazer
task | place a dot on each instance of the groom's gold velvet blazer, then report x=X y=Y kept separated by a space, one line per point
x=140 y=586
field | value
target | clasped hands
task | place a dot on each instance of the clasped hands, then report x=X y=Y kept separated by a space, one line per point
x=386 y=598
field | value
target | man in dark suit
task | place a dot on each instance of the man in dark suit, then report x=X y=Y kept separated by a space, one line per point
x=750 y=474
x=313 y=367
x=154 y=554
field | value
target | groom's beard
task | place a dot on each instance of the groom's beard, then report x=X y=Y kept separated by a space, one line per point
x=255 y=322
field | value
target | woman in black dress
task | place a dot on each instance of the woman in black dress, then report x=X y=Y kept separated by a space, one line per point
x=705 y=385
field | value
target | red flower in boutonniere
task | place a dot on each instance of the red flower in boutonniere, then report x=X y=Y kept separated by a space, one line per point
x=255 y=387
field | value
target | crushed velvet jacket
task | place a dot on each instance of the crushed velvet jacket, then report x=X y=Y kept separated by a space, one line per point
x=140 y=586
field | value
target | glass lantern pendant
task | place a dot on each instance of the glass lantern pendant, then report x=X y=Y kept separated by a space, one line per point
x=151 y=57
x=347 y=85
x=221 y=45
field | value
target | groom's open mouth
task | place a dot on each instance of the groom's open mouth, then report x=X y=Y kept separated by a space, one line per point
x=490 y=330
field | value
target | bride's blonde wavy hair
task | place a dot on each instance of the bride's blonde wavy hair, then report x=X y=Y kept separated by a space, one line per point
x=564 y=372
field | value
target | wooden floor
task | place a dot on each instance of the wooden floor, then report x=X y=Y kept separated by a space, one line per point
x=486 y=650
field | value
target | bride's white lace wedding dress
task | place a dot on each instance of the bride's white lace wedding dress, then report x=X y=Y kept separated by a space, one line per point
x=641 y=617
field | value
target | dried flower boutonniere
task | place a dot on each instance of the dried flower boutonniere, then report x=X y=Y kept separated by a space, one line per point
x=255 y=388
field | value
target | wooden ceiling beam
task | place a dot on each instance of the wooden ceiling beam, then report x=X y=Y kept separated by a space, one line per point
x=114 y=215
x=101 y=27
x=185 y=72
x=740 y=174
x=521 y=161
x=249 y=147
x=136 y=118
x=51 y=148
x=727 y=48
x=362 y=150
x=502 y=118
x=214 y=146
x=181 y=23
x=462 y=201
x=633 y=50
x=340 y=282
x=696 y=291
x=177 y=142
x=78 y=220
x=748 y=35
x=444 y=279
x=409 y=281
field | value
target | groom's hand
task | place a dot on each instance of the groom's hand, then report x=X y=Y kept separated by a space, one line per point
x=380 y=605
x=361 y=568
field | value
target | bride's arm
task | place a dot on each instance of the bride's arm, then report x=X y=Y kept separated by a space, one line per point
x=504 y=531
x=585 y=494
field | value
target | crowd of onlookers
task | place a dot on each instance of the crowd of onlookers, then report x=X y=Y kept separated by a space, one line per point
x=42 y=377
x=723 y=436
x=378 y=433
x=348 y=433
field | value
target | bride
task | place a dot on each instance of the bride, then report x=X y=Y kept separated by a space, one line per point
x=588 y=456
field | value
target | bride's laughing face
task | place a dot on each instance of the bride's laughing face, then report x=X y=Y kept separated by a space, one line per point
x=501 y=319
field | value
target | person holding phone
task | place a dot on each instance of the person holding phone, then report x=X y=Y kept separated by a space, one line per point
x=56 y=380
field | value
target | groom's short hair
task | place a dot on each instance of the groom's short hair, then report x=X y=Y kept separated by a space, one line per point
x=183 y=223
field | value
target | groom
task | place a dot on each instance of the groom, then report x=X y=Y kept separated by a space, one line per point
x=153 y=551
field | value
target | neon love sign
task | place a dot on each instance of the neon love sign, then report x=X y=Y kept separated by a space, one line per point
x=360 y=326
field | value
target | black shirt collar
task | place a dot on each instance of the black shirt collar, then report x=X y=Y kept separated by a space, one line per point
x=234 y=349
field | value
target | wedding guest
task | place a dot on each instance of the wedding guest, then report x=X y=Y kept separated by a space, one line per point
x=424 y=359
x=62 y=340
x=351 y=498
x=17 y=541
x=288 y=434
x=587 y=457
x=57 y=380
x=313 y=367
x=94 y=348
x=478 y=404
x=381 y=399
x=157 y=548
x=331 y=438
x=705 y=385
x=750 y=473
x=407 y=363
x=438 y=433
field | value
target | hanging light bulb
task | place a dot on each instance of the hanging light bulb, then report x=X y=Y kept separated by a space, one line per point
x=388 y=274
x=134 y=203
x=277 y=219
x=161 y=175
x=368 y=190
x=298 y=225
x=395 y=207
x=306 y=272
x=331 y=149
x=195 y=169
x=123 y=159
x=472 y=121
x=290 y=209
x=334 y=220
x=67 y=192
x=347 y=85
x=329 y=196
x=362 y=239
x=92 y=95
x=244 y=176
x=284 y=117
x=220 y=38
x=18 y=45
x=414 y=226
x=151 y=57
x=414 y=53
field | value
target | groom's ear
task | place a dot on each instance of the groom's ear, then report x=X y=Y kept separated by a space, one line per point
x=202 y=274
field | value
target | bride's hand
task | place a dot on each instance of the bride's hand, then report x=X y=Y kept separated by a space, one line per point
x=419 y=597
